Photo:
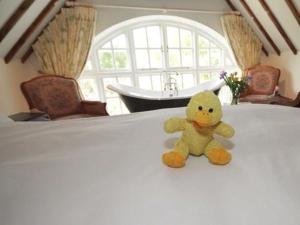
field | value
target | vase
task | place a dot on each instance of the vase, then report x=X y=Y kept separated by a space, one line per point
x=235 y=100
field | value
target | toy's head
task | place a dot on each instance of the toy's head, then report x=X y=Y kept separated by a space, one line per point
x=204 y=109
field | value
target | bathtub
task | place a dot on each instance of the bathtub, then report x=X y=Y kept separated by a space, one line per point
x=138 y=100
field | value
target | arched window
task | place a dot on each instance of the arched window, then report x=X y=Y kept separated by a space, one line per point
x=140 y=51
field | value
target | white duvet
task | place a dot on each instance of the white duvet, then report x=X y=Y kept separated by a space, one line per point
x=108 y=171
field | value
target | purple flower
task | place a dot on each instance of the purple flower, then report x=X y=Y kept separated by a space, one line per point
x=250 y=77
x=223 y=74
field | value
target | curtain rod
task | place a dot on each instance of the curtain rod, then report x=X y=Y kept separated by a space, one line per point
x=164 y=10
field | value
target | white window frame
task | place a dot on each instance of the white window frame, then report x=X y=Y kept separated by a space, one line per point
x=127 y=28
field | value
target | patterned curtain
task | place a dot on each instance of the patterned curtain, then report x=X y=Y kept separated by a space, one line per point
x=63 y=47
x=245 y=45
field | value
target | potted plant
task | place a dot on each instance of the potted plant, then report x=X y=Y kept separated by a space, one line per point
x=236 y=84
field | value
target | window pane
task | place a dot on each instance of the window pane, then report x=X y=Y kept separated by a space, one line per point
x=228 y=62
x=188 y=80
x=214 y=75
x=173 y=37
x=106 y=59
x=121 y=59
x=119 y=42
x=187 y=58
x=140 y=39
x=156 y=82
x=88 y=66
x=203 y=42
x=145 y=82
x=207 y=76
x=212 y=45
x=215 y=57
x=142 y=60
x=174 y=58
x=178 y=79
x=185 y=38
x=113 y=106
x=106 y=82
x=154 y=37
x=204 y=76
x=203 y=57
x=156 y=58
x=106 y=45
x=125 y=81
x=89 y=89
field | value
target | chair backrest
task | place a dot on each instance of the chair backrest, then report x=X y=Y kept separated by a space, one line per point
x=55 y=95
x=264 y=80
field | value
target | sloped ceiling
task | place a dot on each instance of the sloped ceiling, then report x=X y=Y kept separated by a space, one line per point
x=7 y=8
x=279 y=8
x=284 y=16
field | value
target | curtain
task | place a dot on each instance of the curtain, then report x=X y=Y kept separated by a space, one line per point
x=245 y=45
x=63 y=47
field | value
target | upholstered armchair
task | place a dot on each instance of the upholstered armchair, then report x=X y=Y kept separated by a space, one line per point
x=60 y=98
x=263 y=85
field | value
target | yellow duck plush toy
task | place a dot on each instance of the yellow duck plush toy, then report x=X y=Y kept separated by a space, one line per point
x=204 y=113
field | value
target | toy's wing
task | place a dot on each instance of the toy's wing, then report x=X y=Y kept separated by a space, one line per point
x=224 y=130
x=174 y=124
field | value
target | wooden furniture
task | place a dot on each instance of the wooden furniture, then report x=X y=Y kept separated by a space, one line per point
x=263 y=83
x=30 y=116
x=281 y=100
x=60 y=98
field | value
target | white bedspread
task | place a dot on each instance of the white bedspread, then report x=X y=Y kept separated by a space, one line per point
x=108 y=171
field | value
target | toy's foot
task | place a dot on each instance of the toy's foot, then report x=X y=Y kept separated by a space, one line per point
x=173 y=159
x=218 y=156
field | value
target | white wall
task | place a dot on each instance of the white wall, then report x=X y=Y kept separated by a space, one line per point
x=289 y=64
x=11 y=75
x=109 y=17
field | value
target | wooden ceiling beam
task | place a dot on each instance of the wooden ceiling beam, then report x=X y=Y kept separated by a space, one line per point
x=232 y=7
x=29 y=31
x=294 y=10
x=30 y=50
x=27 y=54
x=278 y=26
x=260 y=26
x=265 y=51
x=14 y=18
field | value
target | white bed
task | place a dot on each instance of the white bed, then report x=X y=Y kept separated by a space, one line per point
x=107 y=171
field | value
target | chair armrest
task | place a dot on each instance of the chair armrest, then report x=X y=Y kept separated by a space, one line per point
x=281 y=100
x=94 y=108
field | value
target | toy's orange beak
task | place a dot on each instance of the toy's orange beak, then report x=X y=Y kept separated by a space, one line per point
x=203 y=118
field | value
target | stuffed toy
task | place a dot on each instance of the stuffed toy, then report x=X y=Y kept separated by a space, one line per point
x=204 y=113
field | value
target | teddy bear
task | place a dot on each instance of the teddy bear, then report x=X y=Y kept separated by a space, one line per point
x=203 y=120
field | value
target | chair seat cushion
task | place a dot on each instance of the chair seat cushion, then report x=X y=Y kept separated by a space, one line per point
x=256 y=97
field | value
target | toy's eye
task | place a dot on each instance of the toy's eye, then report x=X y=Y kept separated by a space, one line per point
x=210 y=110
x=200 y=108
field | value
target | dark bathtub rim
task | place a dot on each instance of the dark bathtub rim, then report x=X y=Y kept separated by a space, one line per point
x=136 y=104
x=139 y=105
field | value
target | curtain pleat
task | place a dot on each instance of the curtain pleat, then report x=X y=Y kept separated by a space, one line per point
x=63 y=47
x=245 y=44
